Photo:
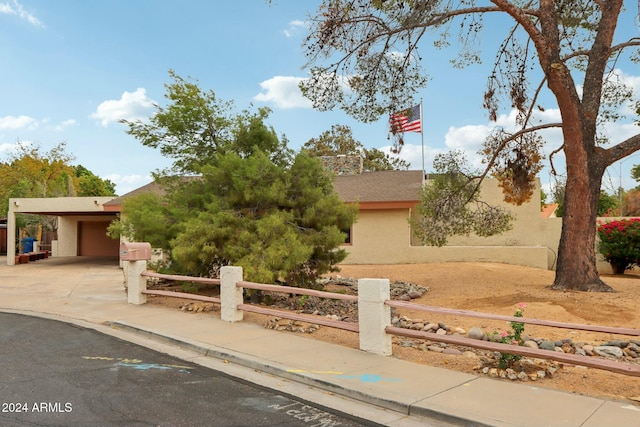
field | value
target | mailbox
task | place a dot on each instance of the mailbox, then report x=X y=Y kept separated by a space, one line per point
x=135 y=251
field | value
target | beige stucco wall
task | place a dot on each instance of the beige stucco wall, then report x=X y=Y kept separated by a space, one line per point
x=67 y=236
x=385 y=237
x=526 y=229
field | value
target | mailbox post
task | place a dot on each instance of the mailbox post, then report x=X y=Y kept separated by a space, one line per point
x=135 y=257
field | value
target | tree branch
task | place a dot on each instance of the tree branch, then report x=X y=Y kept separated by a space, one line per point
x=622 y=149
x=504 y=142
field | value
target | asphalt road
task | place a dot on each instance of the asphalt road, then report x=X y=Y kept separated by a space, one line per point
x=57 y=374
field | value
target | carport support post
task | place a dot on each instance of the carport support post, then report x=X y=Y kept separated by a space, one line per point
x=136 y=282
x=374 y=316
x=231 y=294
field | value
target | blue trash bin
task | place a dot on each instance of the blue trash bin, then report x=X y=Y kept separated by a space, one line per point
x=27 y=244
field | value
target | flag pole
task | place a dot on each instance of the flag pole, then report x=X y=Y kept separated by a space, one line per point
x=424 y=173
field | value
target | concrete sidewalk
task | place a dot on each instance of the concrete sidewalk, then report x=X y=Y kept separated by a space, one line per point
x=91 y=293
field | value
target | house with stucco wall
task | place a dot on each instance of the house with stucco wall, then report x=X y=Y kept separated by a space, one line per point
x=382 y=233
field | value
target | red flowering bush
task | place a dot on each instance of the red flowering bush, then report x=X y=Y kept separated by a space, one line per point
x=620 y=243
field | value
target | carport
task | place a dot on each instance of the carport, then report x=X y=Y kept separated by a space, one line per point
x=82 y=223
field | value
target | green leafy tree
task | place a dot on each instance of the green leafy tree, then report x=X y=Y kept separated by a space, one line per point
x=146 y=218
x=248 y=200
x=31 y=172
x=195 y=127
x=41 y=174
x=277 y=223
x=340 y=141
x=635 y=172
x=543 y=198
x=607 y=204
x=89 y=184
x=364 y=57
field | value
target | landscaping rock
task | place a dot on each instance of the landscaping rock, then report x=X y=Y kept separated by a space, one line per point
x=547 y=345
x=617 y=343
x=475 y=333
x=609 y=351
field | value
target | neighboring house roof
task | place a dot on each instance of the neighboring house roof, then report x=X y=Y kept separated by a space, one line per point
x=154 y=187
x=549 y=210
x=377 y=190
x=372 y=190
x=116 y=204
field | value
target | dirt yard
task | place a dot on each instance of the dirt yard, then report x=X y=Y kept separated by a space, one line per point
x=498 y=289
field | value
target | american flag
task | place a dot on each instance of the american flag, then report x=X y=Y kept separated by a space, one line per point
x=409 y=120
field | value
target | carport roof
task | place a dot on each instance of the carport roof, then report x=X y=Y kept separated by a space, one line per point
x=61 y=206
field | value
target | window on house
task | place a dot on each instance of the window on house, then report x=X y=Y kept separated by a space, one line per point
x=348 y=236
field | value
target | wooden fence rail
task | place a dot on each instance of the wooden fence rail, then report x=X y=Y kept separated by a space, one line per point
x=178 y=278
x=574 y=359
x=374 y=317
x=531 y=321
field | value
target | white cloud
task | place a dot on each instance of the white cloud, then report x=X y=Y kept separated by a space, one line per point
x=466 y=138
x=294 y=27
x=20 y=122
x=61 y=125
x=284 y=92
x=127 y=183
x=13 y=147
x=7 y=148
x=15 y=8
x=470 y=138
x=130 y=106
x=412 y=154
x=65 y=124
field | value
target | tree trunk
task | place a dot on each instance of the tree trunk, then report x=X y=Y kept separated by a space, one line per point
x=585 y=162
x=618 y=267
x=576 y=269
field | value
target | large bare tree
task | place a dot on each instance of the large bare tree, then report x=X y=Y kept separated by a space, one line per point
x=364 y=57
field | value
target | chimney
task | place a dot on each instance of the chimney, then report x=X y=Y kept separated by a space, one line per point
x=343 y=165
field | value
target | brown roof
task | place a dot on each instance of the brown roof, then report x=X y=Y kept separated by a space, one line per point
x=367 y=187
x=383 y=186
x=152 y=187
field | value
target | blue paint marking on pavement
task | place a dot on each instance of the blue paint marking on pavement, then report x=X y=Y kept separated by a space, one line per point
x=371 y=378
x=365 y=378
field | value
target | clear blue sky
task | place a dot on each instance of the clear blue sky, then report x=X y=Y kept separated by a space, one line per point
x=72 y=68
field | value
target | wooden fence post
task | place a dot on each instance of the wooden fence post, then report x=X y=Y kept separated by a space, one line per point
x=374 y=316
x=230 y=295
x=136 y=282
